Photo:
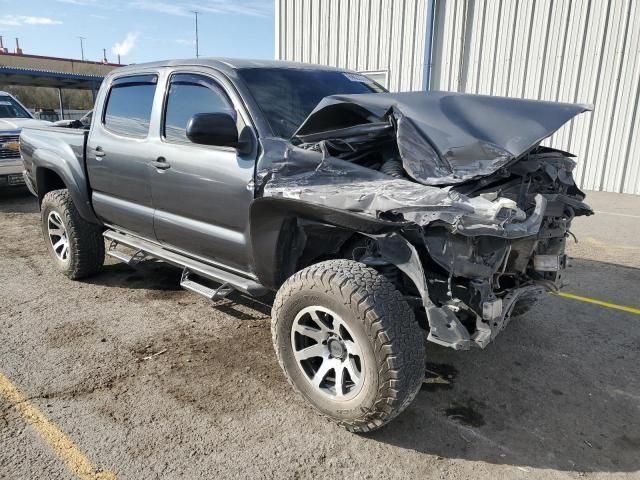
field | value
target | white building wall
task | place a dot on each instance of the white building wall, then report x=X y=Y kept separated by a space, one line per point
x=585 y=51
x=363 y=35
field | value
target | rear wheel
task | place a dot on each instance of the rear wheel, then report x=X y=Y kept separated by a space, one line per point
x=348 y=343
x=77 y=246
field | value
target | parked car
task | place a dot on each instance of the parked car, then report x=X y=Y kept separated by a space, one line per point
x=381 y=220
x=13 y=116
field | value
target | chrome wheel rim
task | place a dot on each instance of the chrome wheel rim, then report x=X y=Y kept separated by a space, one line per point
x=327 y=353
x=58 y=236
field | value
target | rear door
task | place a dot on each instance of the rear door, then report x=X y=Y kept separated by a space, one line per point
x=200 y=192
x=118 y=155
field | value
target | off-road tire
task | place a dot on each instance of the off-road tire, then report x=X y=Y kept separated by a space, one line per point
x=86 y=244
x=372 y=306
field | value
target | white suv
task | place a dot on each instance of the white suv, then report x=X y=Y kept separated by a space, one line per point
x=13 y=116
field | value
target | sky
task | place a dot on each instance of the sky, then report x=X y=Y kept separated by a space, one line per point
x=140 y=30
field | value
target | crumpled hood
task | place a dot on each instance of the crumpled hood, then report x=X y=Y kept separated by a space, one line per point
x=13 y=124
x=445 y=138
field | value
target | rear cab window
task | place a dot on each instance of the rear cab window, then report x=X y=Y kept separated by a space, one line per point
x=129 y=105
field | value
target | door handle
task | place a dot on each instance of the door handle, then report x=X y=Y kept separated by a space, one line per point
x=161 y=163
x=99 y=152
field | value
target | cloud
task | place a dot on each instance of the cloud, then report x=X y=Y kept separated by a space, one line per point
x=185 y=8
x=40 y=21
x=124 y=47
x=19 y=20
x=78 y=2
x=162 y=7
x=185 y=41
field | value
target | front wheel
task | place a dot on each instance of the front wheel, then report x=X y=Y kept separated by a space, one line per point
x=348 y=343
x=77 y=246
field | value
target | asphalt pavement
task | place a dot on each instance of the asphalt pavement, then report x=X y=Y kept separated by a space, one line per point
x=127 y=376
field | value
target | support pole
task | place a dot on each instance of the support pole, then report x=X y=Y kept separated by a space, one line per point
x=195 y=12
x=61 y=104
x=197 y=39
x=469 y=13
x=428 y=45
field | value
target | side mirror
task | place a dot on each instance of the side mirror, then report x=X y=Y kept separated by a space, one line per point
x=213 y=129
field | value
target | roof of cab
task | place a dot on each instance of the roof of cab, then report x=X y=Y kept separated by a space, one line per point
x=227 y=64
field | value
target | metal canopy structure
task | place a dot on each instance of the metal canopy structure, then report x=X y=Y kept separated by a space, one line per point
x=28 y=77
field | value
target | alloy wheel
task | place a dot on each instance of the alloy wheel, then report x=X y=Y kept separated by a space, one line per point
x=58 y=236
x=327 y=352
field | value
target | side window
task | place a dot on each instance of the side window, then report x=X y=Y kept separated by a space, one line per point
x=190 y=94
x=128 y=109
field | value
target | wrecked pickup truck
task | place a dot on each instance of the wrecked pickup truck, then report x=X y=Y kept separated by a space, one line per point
x=380 y=219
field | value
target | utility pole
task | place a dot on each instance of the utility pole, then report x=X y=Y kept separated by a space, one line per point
x=81 y=47
x=197 y=49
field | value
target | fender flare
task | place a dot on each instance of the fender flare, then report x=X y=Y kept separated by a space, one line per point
x=72 y=175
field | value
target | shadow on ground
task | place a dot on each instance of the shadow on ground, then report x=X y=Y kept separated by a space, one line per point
x=17 y=200
x=147 y=275
x=155 y=275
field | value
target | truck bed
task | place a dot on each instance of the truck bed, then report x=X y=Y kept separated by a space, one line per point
x=67 y=143
x=56 y=156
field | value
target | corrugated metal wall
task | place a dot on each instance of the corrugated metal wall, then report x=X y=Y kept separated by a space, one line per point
x=362 y=35
x=585 y=51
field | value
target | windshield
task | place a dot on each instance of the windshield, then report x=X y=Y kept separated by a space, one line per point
x=287 y=96
x=9 y=108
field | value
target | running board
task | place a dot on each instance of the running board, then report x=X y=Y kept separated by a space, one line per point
x=211 y=293
x=123 y=257
x=228 y=280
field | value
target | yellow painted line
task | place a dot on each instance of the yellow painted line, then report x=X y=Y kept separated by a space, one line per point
x=624 y=308
x=63 y=447
x=617 y=214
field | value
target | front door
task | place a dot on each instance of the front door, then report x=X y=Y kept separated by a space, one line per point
x=118 y=155
x=200 y=192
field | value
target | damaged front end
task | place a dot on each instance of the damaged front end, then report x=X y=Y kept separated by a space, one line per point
x=471 y=212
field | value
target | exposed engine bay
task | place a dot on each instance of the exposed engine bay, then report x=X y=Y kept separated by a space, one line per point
x=480 y=212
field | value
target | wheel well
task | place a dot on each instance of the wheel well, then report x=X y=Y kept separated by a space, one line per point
x=283 y=228
x=318 y=242
x=325 y=242
x=46 y=181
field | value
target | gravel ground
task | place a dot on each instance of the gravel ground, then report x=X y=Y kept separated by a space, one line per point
x=556 y=396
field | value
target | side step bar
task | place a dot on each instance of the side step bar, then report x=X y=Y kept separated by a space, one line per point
x=123 y=257
x=211 y=293
x=230 y=281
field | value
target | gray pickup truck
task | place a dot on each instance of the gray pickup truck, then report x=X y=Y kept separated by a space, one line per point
x=381 y=220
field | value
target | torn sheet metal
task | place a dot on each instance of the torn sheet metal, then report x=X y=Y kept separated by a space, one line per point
x=311 y=177
x=444 y=327
x=445 y=138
